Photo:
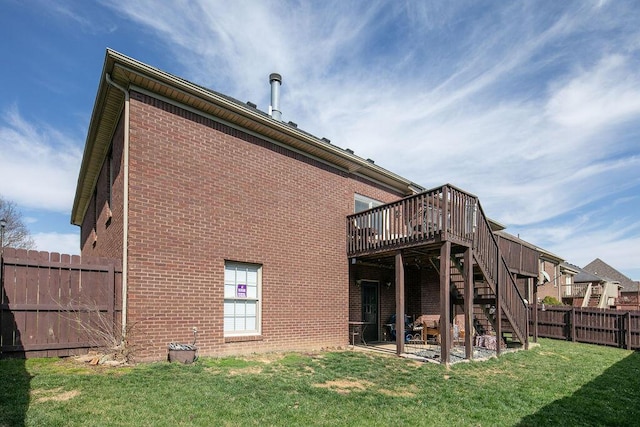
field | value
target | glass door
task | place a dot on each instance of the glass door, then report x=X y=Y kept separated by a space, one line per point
x=370 y=310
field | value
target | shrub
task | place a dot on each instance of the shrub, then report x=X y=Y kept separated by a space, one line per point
x=549 y=300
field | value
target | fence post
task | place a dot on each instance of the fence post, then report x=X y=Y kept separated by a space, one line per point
x=535 y=310
x=627 y=325
x=573 y=324
x=526 y=344
x=499 y=278
x=111 y=299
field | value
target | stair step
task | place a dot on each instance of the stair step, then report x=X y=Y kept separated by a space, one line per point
x=484 y=296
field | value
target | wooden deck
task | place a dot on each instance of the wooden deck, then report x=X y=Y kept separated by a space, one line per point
x=434 y=216
x=448 y=224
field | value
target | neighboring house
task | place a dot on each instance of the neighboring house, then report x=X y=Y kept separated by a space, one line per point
x=590 y=290
x=627 y=298
x=550 y=275
x=523 y=259
x=541 y=273
x=231 y=221
x=568 y=273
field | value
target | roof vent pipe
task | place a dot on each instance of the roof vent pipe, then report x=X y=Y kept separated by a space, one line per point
x=275 y=80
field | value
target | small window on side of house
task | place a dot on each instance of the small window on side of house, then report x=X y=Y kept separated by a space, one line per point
x=242 y=299
x=362 y=203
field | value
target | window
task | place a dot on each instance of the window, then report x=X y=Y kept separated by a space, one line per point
x=242 y=289
x=362 y=203
x=375 y=221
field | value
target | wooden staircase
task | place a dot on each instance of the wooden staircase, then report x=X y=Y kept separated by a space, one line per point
x=510 y=305
x=484 y=307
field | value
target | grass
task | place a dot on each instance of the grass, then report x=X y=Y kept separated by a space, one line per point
x=557 y=383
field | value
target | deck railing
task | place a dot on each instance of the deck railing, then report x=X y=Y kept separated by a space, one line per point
x=438 y=214
x=575 y=290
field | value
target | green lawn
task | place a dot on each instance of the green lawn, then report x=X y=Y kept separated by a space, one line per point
x=557 y=383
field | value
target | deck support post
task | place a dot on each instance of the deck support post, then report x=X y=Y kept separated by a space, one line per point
x=445 y=300
x=399 y=304
x=468 y=303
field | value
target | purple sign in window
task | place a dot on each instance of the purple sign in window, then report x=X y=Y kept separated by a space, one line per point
x=241 y=291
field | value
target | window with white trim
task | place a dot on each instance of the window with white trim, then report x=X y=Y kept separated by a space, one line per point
x=242 y=292
x=374 y=222
x=362 y=203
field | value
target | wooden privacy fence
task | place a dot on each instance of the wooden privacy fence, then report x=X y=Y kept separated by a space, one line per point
x=590 y=325
x=57 y=305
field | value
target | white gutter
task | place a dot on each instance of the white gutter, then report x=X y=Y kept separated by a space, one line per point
x=125 y=216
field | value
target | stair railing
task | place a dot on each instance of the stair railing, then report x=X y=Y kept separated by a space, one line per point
x=491 y=262
x=469 y=223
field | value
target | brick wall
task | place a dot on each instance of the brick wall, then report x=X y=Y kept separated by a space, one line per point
x=102 y=237
x=386 y=294
x=628 y=301
x=414 y=292
x=551 y=288
x=430 y=282
x=201 y=193
x=422 y=293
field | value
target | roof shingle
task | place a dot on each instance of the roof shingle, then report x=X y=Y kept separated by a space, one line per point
x=606 y=272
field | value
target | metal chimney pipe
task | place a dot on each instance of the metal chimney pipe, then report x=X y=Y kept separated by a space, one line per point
x=275 y=80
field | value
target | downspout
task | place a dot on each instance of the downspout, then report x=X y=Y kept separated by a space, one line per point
x=125 y=216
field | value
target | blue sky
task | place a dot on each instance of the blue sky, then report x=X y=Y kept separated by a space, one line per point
x=534 y=106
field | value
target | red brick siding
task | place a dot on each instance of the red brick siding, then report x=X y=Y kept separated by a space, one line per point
x=202 y=193
x=430 y=282
x=551 y=288
x=419 y=293
x=108 y=242
x=414 y=292
x=87 y=229
x=386 y=295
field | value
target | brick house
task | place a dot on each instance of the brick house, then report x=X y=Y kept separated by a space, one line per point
x=231 y=221
x=523 y=259
x=618 y=289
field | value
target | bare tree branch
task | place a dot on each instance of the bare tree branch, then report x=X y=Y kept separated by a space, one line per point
x=16 y=234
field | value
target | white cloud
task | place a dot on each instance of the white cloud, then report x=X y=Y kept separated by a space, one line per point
x=615 y=244
x=609 y=231
x=604 y=95
x=79 y=16
x=530 y=108
x=38 y=166
x=64 y=243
